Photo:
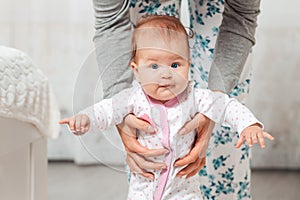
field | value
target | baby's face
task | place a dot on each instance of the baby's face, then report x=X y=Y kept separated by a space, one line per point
x=162 y=69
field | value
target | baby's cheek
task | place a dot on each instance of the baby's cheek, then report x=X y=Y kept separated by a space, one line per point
x=182 y=84
x=181 y=74
x=149 y=89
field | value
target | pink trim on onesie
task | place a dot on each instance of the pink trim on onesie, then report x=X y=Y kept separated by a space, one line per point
x=165 y=141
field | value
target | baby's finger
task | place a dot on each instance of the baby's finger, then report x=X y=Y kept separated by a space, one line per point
x=64 y=121
x=83 y=121
x=261 y=140
x=72 y=124
x=83 y=124
x=78 y=123
x=85 y=129
x=254 y=138
x=240 y=141
x=248 y=139
x=267 y=135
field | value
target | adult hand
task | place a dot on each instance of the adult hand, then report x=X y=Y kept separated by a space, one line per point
x=136 y=153
x=195 y=160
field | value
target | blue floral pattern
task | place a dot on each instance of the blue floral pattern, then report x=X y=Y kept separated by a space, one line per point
x=226 y=174
x=213 y=7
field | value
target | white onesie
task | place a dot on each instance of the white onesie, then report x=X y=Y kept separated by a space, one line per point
x=168 y=118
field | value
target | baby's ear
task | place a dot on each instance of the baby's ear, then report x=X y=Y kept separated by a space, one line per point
x=135 y=70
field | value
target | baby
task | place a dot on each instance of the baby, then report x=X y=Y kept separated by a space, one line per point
x=163 y=96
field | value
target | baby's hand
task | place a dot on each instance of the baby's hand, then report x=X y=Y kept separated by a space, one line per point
x=79 y=124
x=253 y=134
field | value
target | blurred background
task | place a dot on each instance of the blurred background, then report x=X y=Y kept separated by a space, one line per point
x=57 y=36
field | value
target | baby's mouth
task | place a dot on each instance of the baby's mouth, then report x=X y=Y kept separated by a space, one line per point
x=165 y=84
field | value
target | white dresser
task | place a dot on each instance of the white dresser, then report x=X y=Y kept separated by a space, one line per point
x=28 y=116
x=23 y=161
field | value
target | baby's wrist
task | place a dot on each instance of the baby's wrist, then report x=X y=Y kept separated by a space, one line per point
x=256 y=125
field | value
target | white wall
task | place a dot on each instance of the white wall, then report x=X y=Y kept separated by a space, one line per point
x=56 y=34
x=274 y=95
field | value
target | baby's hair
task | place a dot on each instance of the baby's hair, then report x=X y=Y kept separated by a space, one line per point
x=162 y=24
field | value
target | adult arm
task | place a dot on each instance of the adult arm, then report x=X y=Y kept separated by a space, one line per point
x=234 y=42
x=112 y=44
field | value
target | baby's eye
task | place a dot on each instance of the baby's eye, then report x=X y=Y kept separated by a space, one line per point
x=154 y=66
x=174 y=65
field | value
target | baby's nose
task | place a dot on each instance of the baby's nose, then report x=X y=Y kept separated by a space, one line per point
x=166 y=73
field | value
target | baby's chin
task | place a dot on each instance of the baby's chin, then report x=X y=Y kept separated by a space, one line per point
x=163 y=96
x=163 y=93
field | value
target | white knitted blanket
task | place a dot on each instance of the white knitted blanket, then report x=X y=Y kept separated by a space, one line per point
x=25 y=93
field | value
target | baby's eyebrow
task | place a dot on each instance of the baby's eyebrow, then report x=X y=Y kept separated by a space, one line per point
x=171 y=58
x=178 y=58
x=152 y=59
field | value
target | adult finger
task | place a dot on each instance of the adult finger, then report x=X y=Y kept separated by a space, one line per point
x=136 y=123
x=190 y=125
x=145 y=164
x=136 y=169
x=132 y=145
x=200 y=166
x=191 y=157
x=190 y=168
x=199 y=148
x=188 y=159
